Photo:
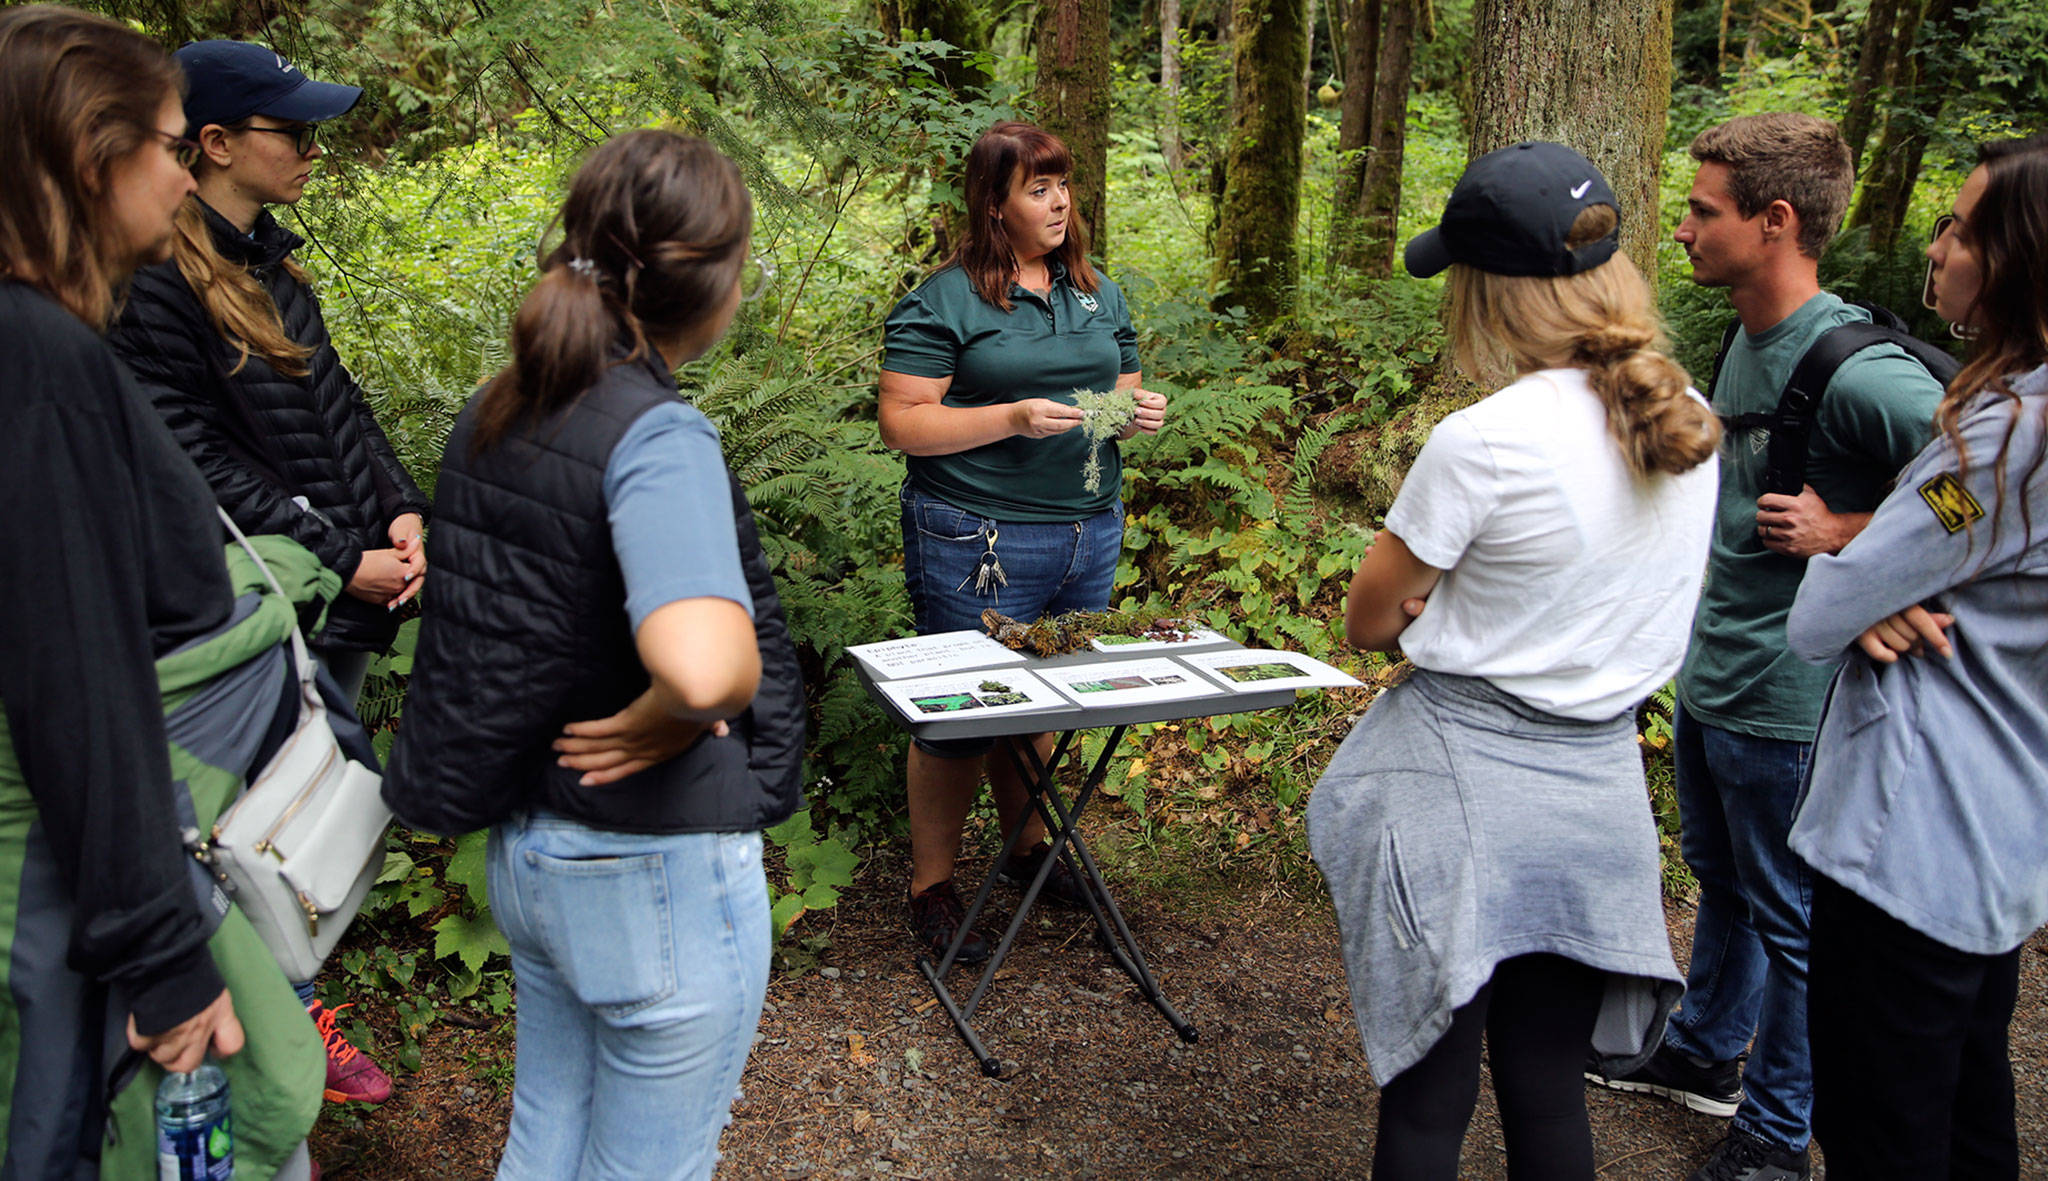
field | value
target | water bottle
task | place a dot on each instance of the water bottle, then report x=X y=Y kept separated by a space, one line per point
x=194 y=1138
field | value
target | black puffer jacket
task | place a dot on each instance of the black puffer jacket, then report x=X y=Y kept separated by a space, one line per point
x=528 y=631
x=263 y=438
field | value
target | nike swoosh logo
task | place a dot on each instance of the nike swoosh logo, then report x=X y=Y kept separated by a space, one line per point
x=1581 y=190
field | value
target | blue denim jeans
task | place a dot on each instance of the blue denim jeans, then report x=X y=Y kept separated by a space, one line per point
x=950 y=559
x=640 y=962
x=1736 y=797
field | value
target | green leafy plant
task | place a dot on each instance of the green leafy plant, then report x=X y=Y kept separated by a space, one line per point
x=815 y=868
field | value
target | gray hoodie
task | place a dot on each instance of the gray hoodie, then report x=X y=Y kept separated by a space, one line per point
x=1928 y=796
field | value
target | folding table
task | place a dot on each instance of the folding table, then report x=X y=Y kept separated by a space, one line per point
x=1062 y=819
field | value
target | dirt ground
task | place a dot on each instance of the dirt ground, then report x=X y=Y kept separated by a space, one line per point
x=858 y=1074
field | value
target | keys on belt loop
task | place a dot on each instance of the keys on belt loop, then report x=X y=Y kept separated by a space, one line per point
x=988 y=572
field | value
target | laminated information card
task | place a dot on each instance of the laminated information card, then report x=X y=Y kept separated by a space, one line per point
x=916 y=656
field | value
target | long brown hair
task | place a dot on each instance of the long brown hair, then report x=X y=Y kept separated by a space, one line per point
x=1005 y=152
x=1602 y=321
x=653 y=235
x=2009 y=228
x=78 y=94
x=241 y=309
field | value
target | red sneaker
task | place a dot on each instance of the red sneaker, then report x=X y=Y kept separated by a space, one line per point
x=351 y=1076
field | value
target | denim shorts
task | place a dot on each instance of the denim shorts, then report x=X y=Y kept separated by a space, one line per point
x=951 y=558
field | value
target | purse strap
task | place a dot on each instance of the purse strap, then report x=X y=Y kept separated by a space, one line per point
x=299 y=653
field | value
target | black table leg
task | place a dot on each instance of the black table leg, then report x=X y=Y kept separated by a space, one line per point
x=1062 y=822
x=935 y=975
x=1114 y=931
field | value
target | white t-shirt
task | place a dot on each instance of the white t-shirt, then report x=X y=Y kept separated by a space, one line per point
x=1568 y=582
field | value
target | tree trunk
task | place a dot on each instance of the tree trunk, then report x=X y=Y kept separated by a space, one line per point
x=1226 y=50
x=1595 y=76
x=1308 y=50
x=1379 y=205
x=1871 y=74
x=1354 y=129
x=1073 y=101
x=963 y=24
x=1262 y=178
x=1169 y=83
x=1925 y=75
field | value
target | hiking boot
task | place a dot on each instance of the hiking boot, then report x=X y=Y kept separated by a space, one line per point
x=1062 y=888
x=1710 y=1088
x=351 y=1076
x=935 y=917
x=1743 y=1157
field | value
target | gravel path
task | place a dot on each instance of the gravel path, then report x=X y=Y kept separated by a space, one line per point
x=858 y=1074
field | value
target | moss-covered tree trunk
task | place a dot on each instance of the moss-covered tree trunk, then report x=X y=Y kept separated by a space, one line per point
x=1169 y=84
x=1354 y=128
x=1592 y=74
x=1871 y=74
x=1262 y=179
x=1073 y=101
x=963 y=24
x=1379 y=199
x=1925 y=74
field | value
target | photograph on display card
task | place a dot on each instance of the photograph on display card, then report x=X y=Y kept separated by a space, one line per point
x=1133 y=682
x=1257 y=670
x=989 y=691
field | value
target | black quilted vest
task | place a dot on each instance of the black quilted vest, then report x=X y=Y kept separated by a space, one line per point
x=527 y=631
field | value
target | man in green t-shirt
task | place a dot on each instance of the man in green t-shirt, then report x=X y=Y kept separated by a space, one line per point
x=1769 y=193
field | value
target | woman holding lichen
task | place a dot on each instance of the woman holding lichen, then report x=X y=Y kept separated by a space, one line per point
x=983 y=366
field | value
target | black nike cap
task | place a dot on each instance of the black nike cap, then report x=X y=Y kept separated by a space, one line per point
x=228 y=81
x=1511 y=213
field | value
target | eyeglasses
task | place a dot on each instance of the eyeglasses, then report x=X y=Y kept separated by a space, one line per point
x=755 y=276
x=184 y=151
x=302 y=136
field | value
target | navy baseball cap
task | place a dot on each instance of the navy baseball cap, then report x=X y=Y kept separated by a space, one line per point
x=1511 y=213
x=228 y=81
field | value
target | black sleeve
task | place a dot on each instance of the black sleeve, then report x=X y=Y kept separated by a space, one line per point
x=78 y=679
x=162 y=337
x=396 y=493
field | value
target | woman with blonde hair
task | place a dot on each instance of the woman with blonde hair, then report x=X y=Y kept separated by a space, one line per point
x=1484 y=831
x=228 y=340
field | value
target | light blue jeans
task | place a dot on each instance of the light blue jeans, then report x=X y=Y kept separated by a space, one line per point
x=640 y=962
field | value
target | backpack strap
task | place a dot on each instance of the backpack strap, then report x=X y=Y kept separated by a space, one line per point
x=1785 y=463
x=1721 y=357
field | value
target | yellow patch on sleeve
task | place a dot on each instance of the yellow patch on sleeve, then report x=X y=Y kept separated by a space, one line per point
x=1952 y=503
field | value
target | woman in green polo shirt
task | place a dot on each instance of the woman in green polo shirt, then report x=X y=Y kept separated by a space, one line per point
x=979 y=369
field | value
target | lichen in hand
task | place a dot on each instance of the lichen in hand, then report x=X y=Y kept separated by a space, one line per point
x=1104 y=415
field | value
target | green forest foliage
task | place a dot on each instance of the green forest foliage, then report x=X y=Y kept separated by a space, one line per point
x=1284 y=443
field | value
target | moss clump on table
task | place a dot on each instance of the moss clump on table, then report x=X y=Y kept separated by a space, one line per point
x=1057 y=635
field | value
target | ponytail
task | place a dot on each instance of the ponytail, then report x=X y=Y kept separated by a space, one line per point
x=1602 y=321
x=653 y=234
x=1658 y=424
x=562 y=340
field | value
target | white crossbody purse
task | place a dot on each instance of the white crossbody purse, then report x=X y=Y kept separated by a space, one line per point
x=304 y=842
